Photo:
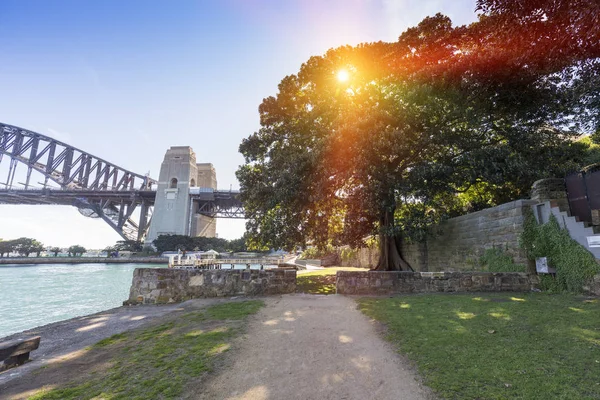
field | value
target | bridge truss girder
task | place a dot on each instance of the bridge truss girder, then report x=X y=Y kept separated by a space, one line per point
x=220 y=204
x=116 y=208
x=61 y=163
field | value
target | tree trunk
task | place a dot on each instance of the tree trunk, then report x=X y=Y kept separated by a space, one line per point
x=390 y=253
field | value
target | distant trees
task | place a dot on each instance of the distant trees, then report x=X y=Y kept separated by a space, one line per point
x=76 y=250
x=6 y=247
x=24 y=246
x=128 y=245
x=188 y=243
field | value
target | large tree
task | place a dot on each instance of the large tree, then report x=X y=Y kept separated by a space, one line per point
x=382 y=137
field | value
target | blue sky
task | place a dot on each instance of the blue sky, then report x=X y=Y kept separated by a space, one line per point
x=125 y=80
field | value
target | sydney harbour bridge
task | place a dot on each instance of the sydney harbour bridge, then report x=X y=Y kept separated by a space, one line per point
x=41 y=170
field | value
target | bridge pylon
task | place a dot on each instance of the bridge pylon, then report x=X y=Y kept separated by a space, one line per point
x=175 y=211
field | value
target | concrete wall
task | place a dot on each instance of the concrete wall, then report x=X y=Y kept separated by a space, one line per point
x=203 y=225
x=207 y=176
x=174 y=211
x=171 y=214
x=349 y=282
x=168 y=285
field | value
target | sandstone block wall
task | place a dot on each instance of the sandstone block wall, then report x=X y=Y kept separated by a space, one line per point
x=372 y=282
x=458 y=243
x=169 y=285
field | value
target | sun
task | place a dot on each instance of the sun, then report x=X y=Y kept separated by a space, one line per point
x=343 y=75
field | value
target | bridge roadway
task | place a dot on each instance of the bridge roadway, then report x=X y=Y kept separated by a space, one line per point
x=116 y=207
x=218 y=203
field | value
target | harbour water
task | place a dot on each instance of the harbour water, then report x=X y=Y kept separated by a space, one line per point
x=34 y=295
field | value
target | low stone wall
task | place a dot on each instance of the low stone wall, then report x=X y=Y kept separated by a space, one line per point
x=373 y=282
x=172 y=285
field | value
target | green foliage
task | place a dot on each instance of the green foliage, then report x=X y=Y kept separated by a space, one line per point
x=320 y=281
x=313 y=252
x=157 y=362
x=128 y=245
x=200 y=243
x=24 y=246
x=592 y=149
x=496 y=260
x=238 y=310
x=316 y=284
x=575 y=266
x=499 y=346
x=119 y=337
x=348 y=253
x=443 y=121
x=148 y=251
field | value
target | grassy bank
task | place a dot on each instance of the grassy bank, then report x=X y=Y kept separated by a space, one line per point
x=320 y=281
x=160 y=361
x=532 y=346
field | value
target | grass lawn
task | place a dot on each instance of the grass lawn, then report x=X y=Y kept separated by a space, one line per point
x=497 y=346
x=159 y=361
x=320 y=281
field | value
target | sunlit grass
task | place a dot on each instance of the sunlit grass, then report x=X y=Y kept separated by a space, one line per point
x=157 y=362
x=532 y=346
x=320 y=281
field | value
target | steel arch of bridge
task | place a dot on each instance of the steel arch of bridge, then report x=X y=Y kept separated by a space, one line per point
x=66 y=165
x=96 y=187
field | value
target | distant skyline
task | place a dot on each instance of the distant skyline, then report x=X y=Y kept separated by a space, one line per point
x=126 y=80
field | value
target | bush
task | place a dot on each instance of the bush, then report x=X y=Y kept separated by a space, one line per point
x=575 y=266
x=496 y=260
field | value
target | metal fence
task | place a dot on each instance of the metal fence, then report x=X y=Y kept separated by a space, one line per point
x=583 y=193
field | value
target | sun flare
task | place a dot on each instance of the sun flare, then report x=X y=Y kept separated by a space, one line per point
x=343 y=75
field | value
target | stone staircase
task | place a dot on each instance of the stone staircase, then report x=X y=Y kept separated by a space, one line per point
x=578 y=230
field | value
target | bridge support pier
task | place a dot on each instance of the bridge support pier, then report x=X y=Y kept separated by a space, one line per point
x=175 y=212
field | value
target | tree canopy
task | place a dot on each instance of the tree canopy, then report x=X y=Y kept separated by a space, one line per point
x=444 y=120
x=200 y=243
x=76 y=250
x=24 y=246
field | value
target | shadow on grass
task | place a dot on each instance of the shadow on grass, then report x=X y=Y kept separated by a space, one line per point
x=158 y=361
x=530 y=346
x=315 y=284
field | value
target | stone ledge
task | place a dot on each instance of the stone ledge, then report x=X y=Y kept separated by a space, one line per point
x=375 y=282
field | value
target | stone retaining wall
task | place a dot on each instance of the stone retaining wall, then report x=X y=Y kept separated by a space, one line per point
x=372 y=282
x=171 y=285
x=457 y=244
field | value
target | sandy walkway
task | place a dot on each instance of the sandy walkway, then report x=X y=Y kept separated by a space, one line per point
x=313 y=347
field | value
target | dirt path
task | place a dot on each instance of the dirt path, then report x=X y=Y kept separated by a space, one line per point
x=313 y=347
